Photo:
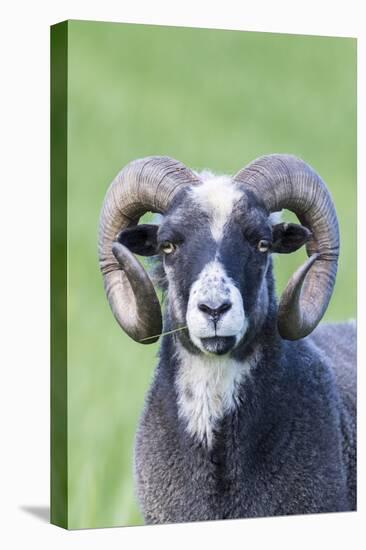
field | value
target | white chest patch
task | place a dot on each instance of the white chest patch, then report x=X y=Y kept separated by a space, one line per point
x=207 y=388
x=217 y=196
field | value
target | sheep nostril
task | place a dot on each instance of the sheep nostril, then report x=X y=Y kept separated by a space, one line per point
x=215 y=312
x=224 y=307
x=205 y=309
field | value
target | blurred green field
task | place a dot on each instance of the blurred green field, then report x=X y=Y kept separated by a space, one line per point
x=212 y=99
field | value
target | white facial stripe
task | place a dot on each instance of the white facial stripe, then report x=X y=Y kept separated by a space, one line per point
x=213 y=287
x=216 y=196
x=208 y=388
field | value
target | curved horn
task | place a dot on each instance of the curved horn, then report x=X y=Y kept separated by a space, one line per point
x=285 y=181
x=148 y=184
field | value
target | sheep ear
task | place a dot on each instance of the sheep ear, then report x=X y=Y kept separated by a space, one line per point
x=288 y=237
x=140 y=239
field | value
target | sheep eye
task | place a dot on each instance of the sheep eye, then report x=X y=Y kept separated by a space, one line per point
x=167 y=247
x=263 y=245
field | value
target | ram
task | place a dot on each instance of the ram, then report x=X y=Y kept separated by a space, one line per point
x=251 y=411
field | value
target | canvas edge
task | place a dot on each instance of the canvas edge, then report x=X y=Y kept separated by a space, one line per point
x=58 y=268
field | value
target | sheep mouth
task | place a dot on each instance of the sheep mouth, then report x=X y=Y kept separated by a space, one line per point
x=219 y=345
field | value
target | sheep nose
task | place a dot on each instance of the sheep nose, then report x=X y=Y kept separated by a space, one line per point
x=215 y=312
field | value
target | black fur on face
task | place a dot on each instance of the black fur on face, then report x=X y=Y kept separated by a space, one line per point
x=237 y=262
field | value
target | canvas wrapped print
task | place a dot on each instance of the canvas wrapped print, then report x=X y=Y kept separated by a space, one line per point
x=203 y=274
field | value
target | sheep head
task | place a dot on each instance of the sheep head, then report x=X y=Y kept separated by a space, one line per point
x=215 y=240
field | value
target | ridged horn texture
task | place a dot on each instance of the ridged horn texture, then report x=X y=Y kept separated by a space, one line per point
x=144 y=185
x=285 y=181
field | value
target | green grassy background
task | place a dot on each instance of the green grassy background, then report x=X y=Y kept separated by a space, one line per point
x=212 y=99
